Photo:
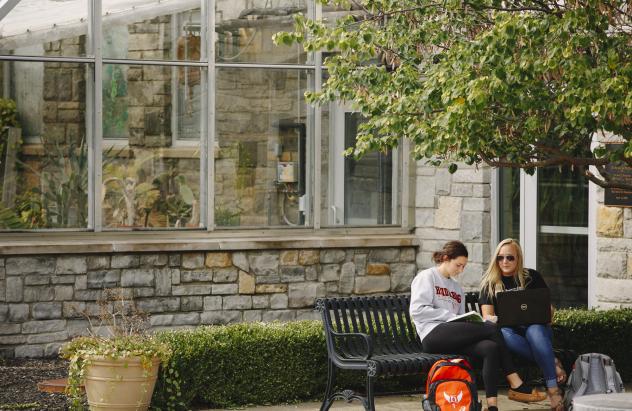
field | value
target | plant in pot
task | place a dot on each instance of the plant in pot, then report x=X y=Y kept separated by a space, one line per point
x=118 y=361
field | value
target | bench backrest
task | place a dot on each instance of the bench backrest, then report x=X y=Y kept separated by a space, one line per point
x=385 y=318
x=471 y=302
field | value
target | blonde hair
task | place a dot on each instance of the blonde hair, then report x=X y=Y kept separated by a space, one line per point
x=492 y=279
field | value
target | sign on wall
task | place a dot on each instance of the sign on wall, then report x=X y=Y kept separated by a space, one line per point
x=617 y=196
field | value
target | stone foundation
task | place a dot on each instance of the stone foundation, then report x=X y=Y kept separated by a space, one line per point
x=39 y=295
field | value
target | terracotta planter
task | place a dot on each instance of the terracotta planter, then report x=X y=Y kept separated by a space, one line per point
x=121 y=384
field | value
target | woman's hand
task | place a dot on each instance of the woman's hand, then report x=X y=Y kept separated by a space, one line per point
x=488 y=313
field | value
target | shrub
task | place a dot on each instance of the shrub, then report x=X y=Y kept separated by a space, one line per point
x=606 y=332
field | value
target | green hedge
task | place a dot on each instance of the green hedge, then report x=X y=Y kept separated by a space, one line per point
x=255 y=363
x=608 y=332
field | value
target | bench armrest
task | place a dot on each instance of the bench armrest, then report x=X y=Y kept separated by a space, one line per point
x=365 y=337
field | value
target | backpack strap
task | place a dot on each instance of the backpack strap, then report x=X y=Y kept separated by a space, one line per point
x=585 y=367
x=611 y=378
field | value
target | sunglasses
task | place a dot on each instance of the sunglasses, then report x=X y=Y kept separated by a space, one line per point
x=499 y=258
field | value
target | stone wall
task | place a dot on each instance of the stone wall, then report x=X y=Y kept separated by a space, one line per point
x=454 y=207
x=38 y=295
x=612 y=285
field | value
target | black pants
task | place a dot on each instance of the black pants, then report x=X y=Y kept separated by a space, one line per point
x=482 y=342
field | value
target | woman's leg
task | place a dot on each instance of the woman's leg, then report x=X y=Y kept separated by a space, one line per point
x=517 y=342
x=539 y=338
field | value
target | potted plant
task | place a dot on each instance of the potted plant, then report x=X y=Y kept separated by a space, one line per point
x=118 y=361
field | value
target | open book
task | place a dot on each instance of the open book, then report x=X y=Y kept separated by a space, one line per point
x=471 y=316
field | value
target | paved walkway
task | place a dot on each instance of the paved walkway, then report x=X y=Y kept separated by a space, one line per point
x=399 y=403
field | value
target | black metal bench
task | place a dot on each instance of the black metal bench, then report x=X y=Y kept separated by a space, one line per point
x=374 y=335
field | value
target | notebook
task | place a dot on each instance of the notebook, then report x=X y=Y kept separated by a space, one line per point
x=521 y=307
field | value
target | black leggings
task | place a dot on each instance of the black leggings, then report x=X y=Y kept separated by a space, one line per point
x=479 y=341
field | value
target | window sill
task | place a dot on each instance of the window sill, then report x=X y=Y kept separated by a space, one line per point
x=85 y=243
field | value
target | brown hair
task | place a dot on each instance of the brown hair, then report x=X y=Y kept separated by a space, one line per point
x=451 y=250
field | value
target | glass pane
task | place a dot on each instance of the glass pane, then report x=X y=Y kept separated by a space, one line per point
x=509 y=203
x=244 y=30
x=45 y=28
x=152 y=29
x=262 y=126
x=563 y=235
x=360 y=192
x=151 y=159
x=44 y=154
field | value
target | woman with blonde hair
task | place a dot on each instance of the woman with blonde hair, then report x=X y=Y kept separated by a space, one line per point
x=506 y=271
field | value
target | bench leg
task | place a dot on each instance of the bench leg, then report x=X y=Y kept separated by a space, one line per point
x=331 y=380
x=369 y=403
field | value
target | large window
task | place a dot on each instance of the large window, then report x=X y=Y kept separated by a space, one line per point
x=137 y=122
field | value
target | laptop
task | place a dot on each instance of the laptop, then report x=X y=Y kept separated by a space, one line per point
x=522 y=307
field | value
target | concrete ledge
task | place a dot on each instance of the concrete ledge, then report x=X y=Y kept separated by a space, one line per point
x=83 y=243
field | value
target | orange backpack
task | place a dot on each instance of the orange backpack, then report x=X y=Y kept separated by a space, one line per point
x=451 y=386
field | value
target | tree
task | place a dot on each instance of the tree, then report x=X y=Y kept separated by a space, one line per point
x=510 y=83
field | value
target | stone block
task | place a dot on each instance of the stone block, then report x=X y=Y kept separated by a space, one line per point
x=14 y=289
x=29 y=351
x=175 y=276
x=141 y=277
x=237 y=302
x=407 y=255
x=225 y=275
x=125 y=261
x=212 y=303
x=4 y=313
x=103 y=279
x=329 y=272
x=29 y=265
x=47 y=337
x=175 y=260
x=186 y=319
x=12 y=339
x=308 y=257
x=278 y=315
x=475 y=226
x=331 y=287
x=161 y=320
x=139 y=292
x=288 y=257
x=424 y=217
x=81 y=282
x=481 y=190
x=240 y=260
x=311 y=315
x=347 y=278
x=37 y=279
x=612 y=265
x=472 y=175
x=462 y=190
x=64 y=292
x=191 y=289
x=609 y=221
x=476 y=204
x=162 y=280
x=448 y=214
x=7 y=329
x=196 y=276
x=443 y=180
x=224 y=289
x=278 y=301
x=193 y=303
x=372 y=284
x=220 y=317
x=264 y=264
x=402 y=275
x=260 y=301
x=159 y=304
x=311 y=272
x=384 y=255
x=52 y=349
x=360 y=262
x=71 y=265
x=154 y=260
x=304 y=294
x=328 y=256
x=98 y=262
x=246 y=283
x=270 y=288
x=44 y=326
x=425 y=192
x=18 y=313
x=292 y=273
x=378 y=269
x=46 y=311
x=38 y=293
x=87 y=295
x=192 y=261
x=63 y=279
x=218 y=259
x=252 y=316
